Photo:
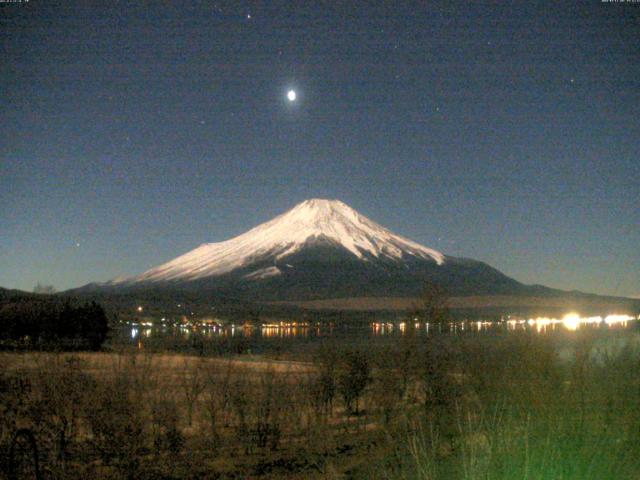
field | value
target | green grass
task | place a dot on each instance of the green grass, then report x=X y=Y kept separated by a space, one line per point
x=527 y=415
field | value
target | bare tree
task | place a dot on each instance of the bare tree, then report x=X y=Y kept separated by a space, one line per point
x=353 y=378
x=433 y=305
x=192 y=383
x=44 y=289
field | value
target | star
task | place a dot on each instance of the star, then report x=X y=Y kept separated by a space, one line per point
x=248 y=16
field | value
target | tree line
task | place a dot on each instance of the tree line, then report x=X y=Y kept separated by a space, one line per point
x=33 y=322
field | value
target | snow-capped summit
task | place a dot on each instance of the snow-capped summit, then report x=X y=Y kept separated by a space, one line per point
x=329 y=221
x=318 y=250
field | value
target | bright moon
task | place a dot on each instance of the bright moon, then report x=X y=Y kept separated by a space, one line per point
x=291 y=95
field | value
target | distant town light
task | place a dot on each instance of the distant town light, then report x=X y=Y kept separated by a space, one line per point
x=571 y=321
x=139 y=308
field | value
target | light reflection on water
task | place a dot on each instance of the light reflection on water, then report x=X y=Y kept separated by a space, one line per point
x=274 y=330
x=570 y=322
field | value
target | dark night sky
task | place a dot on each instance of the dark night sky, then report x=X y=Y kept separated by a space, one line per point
x=506 y=132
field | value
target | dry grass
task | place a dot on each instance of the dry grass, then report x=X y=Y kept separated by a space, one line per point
x=492 y=407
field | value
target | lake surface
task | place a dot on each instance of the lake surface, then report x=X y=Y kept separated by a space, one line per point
x=612 y=330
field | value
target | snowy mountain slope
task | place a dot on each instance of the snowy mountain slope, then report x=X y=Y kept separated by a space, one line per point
x=316 y=220
x=320 y=249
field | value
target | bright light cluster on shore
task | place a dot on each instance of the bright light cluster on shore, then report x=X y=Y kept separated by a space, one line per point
x=571 y=321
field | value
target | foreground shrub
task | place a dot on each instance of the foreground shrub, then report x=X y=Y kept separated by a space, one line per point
x=117 y=423
x=353 y=377
x=522 y=413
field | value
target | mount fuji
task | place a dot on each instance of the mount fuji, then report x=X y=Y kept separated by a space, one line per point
x=311 y=223
x=317 y=250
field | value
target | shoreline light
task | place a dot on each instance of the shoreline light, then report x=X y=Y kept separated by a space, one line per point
x=571 y=322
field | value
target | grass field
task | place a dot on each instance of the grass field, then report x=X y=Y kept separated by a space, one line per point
x=490 y=407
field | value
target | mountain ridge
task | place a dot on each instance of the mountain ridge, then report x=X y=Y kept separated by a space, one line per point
x=318 y=250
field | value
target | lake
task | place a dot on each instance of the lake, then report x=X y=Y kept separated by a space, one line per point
x=611 y=330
